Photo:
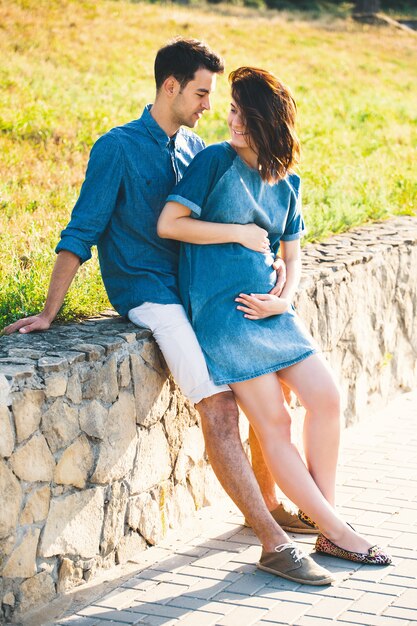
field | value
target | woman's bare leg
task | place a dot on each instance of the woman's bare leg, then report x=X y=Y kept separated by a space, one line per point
x=262 y=401
x=313 y=383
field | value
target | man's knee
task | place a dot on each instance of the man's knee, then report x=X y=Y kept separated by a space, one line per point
x=219 y=411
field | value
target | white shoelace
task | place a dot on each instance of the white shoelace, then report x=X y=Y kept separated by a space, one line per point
x=296 y=552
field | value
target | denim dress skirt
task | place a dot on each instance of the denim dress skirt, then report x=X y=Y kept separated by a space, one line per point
x=219 y=187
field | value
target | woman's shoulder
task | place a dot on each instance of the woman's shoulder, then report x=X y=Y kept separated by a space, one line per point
x=213 y=161
x=220 y=152
x=290 y=184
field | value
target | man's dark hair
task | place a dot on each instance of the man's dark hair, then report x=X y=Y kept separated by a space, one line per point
x=181 y=58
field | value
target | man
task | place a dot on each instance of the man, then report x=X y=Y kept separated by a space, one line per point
x=130 y=173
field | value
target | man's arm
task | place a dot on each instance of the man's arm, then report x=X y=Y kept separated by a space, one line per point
x=175 y=223
x=65 y=268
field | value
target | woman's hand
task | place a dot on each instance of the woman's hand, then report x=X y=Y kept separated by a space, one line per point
x=254 y=237
x=259 y=305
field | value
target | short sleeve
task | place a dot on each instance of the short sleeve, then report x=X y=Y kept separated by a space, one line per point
x=97 y=198
x=294 y=227
x=200 y=178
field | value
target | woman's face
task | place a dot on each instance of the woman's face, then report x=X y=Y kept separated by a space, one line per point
x=239 y=136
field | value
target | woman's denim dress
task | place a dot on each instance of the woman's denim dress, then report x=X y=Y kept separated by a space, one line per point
x=219 y=187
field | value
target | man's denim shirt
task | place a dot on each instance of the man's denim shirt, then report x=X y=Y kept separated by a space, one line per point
x=131 y=172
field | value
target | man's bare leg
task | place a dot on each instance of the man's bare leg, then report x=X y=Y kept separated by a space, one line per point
x=220 y=424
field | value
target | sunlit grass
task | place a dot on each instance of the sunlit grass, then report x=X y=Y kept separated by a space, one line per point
x=73 y=69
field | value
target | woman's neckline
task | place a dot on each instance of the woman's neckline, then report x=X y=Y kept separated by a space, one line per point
x=245 y=163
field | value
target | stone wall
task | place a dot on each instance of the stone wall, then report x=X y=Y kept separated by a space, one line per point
x=100 y=453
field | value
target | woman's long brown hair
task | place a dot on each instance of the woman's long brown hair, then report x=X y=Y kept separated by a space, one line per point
x=268 y=110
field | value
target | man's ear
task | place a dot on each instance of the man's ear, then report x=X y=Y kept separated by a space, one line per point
x=171 y=86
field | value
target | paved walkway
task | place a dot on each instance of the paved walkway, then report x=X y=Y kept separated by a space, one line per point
x=207 y=576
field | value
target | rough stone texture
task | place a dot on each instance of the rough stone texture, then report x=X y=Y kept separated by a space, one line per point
x=27 y=412
x=93 y=418
x=118 y=449
x=153 y=461
x=36 y=591
x=114 y=519
x=69 y=575
x=11 y=497
x=6 y=432
x=22 y=562
x=33 y=461
x=37 y=506
x=60 y=424
x=74 y=524
x=145 y=516
x=75 y=464
x=152 y=391
x=130 y=544
x=93 y=403
x=56 y=385
x=4 y=390
x=103 y=382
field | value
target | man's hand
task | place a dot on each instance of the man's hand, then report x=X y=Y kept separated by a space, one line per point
x=28 y=325
x=281 y=270
x=254 y=237
x=259 y=305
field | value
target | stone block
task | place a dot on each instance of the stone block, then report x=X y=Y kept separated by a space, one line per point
x=27 y=411
x=114 y=518
x=176 y=420
x=35 y=591
x=6 y=548
x=129 y=546
x=145 y=516
x=180 y=507
x=69 y=576
x=60 y=424
x=9 y=599
x=124 y=377
x=75 y=464
x=151 y=354
x=11 y=498
x=152 y=391
x=33 y=461
x=6 y=432
x=102 y=382
x=56 y=385
x=5 y=398
x=74 y=524
x=22 y=561
x=193 y=444
x=196 y=480
x=74 y=391
x=117 y=451
x=93 y=417
x=152 y=463
x=37 y=506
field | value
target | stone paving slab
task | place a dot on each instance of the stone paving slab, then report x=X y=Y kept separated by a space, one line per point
x=207 y=576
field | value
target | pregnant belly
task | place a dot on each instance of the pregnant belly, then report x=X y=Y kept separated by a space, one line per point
x=221 y=272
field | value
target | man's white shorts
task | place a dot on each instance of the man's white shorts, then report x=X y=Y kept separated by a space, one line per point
x=179 y=345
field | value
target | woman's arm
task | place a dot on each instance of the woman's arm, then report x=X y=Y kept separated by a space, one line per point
x=259 y=305
x=175 y=223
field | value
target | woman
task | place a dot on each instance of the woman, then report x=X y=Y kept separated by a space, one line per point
x=259 y=343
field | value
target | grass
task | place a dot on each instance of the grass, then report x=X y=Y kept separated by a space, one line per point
x=72 y=69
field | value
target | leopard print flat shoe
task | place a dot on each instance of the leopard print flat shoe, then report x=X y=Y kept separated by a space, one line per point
x=374 y=556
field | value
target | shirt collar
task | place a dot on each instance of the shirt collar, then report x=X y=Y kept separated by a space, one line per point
x=155 y=130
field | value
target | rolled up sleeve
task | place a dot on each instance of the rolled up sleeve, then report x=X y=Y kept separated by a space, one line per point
x=97 y=199
x=295 y=227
